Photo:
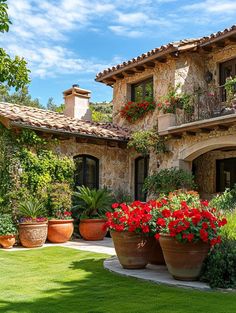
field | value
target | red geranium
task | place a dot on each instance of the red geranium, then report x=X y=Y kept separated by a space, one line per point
x=133 y=111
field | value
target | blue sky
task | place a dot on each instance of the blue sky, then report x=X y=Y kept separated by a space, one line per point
x=69 y=41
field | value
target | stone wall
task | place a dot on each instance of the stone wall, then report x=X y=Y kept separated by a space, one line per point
x=206 y=179
x=114 y=170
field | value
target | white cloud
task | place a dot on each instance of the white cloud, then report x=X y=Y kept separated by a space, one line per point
x=213 y=6
x=125 y=31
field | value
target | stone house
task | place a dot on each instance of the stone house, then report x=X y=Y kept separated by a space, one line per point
x=203 y=142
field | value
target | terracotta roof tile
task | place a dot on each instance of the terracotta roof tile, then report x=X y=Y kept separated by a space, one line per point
x=23 y=116
x=165 y=48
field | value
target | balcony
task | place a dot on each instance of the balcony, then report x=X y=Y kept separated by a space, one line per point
x=208 y=110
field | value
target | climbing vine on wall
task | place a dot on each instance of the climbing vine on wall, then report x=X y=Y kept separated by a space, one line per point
x=29 y=165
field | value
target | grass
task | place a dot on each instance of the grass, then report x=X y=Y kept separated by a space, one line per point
x=58 y=280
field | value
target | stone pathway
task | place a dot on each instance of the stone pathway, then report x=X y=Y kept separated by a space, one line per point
x=153 y=273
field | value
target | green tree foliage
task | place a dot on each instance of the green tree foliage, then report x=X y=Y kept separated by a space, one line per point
x=13 y=71
x=101 y=111
x=21 y=97
x=52 y=106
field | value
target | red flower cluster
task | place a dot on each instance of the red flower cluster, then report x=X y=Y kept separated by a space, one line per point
x=133 y=218
x=189 y=224
x=63 y=215
x=132 y=111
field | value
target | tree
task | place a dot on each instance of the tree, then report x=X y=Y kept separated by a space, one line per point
x=101 y=111
x=52 y=106
x=21 y=97
x=13 y=71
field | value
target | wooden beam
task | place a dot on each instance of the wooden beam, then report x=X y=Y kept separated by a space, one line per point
x=220 y=44
x=232 y=39
x=207 y=48
x=140 y=68
x=190 y=133
x=161 y=60
x=222 y=127
x=5 y=122
x=149 y=65
x=205 y=130
x=174 y=54
x=118 y=76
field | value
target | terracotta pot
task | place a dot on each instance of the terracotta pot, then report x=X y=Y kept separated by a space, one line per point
x=131 y=249
x=7 y=241
x=155 y=254
x=60 y=230
x=92 y=229
x=33 y=234
x=184 y=260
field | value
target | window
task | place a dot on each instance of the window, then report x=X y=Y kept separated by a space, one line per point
x=225 y=174
x=87 y=171
x=227 y=69
x=141 y=172
x=142 y=91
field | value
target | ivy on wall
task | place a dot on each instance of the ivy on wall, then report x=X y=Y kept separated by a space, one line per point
x=29 y=166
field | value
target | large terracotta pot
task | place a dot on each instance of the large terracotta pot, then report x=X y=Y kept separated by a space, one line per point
x=155 y=254
x=60 y=230
x=33 y=234
x=131 y=249
x=7 y=241
x=184 y=260
x=92 y=229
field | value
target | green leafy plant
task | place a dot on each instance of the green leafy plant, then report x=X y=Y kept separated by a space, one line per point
x=32 y=209
x=121 y=196
x=94 y=203
x=175 y=99
x=144 y=140
x=7 y=226
x=225 y=201
x=60 y=201
x=229 y=231
x=230 y=87
x=219 y=269
x=167 y=180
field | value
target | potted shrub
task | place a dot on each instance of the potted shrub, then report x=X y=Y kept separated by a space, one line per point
x=60 y=224
x=186 y=232
x=92 y=208
x=7 y=231
x=33 y=226
x=130 y=227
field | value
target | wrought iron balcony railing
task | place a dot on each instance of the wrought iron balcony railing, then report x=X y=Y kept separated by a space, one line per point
x=208 y=104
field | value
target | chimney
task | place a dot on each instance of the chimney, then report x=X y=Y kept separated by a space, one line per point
x=77 y=103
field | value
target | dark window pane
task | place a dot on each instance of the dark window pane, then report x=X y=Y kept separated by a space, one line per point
x=141 y=171
x=87 y=171
x=142 y=91
x=225 y=174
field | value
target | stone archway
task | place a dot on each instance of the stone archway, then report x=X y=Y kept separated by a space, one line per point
x=191 y=152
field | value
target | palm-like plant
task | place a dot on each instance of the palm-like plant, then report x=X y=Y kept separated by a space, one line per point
x=94 y=203
x=32 y=209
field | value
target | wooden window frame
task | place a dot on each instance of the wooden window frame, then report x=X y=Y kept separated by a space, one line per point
x=84 y=172
x=143 y=84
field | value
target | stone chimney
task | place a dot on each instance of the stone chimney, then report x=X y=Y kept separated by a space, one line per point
x=77 y=103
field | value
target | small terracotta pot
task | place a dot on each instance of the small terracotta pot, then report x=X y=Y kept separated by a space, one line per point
x=184 y=260
x=33 y=234
x=60 y=230
x=131 y=249
x=155 y=254
x=92 y=229
x=7 y=241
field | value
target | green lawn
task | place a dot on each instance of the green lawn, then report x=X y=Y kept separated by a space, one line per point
x=62 y=280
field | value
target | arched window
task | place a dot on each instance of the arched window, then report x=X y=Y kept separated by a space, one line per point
x=87 y=171
x=141 y=172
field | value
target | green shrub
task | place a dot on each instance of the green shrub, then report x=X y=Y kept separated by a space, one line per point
x=7 y=226
x=219 y=268
x=121 y=196
x=229 y=230
x=168 y=180
x=60 y=200
x=225 y=201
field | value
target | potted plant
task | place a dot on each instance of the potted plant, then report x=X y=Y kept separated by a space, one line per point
x=33 y=226
x=134 y=111
x=92 y=208
x=7 y=231
x=186 y=232
x=130 y=230
x=60 y=224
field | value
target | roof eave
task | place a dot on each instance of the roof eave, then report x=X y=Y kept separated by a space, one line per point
x=65 y=132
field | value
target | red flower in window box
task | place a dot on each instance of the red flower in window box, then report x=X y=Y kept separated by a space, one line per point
x=133 y=111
